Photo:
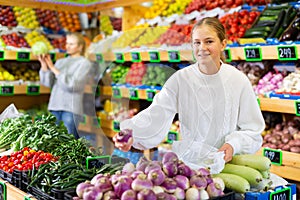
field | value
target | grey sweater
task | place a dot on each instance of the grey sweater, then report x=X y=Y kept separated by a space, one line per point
x=68 y=87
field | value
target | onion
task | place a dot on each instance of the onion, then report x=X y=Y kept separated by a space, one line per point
x=110 y=195
x=184 y=170
x=141 y=183
x=182 y=182
x=92 y=193
x=129 y=195
x=103 y=184
x=122 y=184
x=151 y=166
x=220 y=182
x=128 y=168
x=124 y=135
x=170 y=157
x=157 y=176
x=198 y=181
x=146 y=194
x=203 y=194
x=157 y=189
x=169 y=185
x=81 y=187
x=170 y=168
x=179 y=193
x=192 y=194
x=214 y=190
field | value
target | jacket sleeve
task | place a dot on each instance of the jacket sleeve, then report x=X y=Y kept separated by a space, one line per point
x=247 y=138
x=46 y=78
x=75 y=82
x=151 y=125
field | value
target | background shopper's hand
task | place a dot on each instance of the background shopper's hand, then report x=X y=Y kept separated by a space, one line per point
x=228 y=150
x=123 y=146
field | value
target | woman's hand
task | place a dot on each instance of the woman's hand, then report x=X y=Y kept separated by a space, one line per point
x=228 y=150
x=51 y=65
x=42 y=60
x=123 y=146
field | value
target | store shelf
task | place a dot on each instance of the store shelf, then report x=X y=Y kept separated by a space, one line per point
x=15 y=193
x=96 y=5
x=27 y=55
x=277 y=105
x=290 y=168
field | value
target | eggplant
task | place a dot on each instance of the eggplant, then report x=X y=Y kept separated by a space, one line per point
x=290 y=34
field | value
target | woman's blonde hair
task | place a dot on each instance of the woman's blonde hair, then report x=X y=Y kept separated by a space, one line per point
x=80 y=41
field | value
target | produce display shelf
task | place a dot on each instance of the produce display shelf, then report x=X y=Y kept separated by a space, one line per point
x=13 y=55
x=15 y=193
x=268 y=52
x=290 y=168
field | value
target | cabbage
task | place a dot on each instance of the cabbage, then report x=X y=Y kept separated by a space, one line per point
x=39 y=48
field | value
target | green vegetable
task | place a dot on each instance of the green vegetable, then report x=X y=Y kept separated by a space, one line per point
x=39 y=48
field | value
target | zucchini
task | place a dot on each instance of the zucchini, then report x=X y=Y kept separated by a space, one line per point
x=258 y=162
x=278 y=7
x=252 y=34
x=268 y=18
x=278 y=24
x=260 y=28
x=270 y=12
x=252 y=175
x=265 y=23
x=290 y=14
x=234 y=182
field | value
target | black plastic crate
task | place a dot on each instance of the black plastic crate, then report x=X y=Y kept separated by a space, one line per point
x=60 y=194
x=69 y=195
x=228 y=195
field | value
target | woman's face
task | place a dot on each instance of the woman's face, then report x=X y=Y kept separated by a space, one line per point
x=72 y=46
x=207 y=47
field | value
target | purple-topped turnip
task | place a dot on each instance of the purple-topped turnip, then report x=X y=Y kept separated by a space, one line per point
x=141 y=182
x=129 y=195
x=81 y=187
x=182 y=182
x=170 y=157
x=214 y=190
x=198 y=182
x=146 y=194
x=157 y=176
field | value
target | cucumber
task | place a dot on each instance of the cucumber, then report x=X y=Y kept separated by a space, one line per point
x=278 y=7
x=258 y=162
x=252 y=175
x=260 y=28
x=234 y=182
x=270 y=12
x=278 y=24
x=268 y=18
x=265 y=23
x=250 y=34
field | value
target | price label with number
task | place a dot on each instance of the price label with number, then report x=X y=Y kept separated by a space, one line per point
x=96 y=122
x=252 y=53
x=3 y=191
x=116 y=159
x=150 y=94
x=7 y=90
x=281 y=194
x=99 y=57
x=172 y=136
x=135 y=57
x=116 y=92
x=119 y=57
x=134 y=94
x=23 y=56
x=116 y=126
x=154 y=56
x=287 y=53
x=174 y=56
x=1 y=55
x=32 y=89
x=227 y=54
x=97 y=162
x=53 y=57
x=274 y=155
x=297 y=108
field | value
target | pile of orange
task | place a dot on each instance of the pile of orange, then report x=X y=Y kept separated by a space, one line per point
x=69 y=21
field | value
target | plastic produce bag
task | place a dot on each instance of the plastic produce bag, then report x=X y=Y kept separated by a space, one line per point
x=198 y=155
x=10 y=112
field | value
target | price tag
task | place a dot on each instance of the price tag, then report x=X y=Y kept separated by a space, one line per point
x=96 y=122
x=281 y=194
x=297 y=108
x=174 y=56
x=97 y=162
x=134 y=94
x=227 y=54
x=23 y=56
x=274 y=155
x=33 y=90
x=116 y=126
x=135 y=57
x=3 y=193
x=117 y=159
x=154 y=56
x=7 y=90
x=172 y=136
x=119 y=57
x=287 y=53
x=2 y=55
x=116 y=92
x=252 y=54
x=99 y=57
x=150 y=94
x=83 y=120
x=53 y=57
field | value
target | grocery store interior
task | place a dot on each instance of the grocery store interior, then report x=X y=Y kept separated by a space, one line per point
x=134 y=46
